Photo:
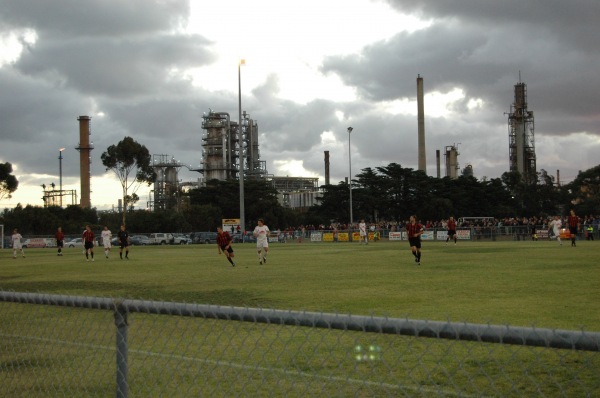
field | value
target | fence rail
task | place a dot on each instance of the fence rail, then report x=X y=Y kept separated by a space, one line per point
x=294 y=354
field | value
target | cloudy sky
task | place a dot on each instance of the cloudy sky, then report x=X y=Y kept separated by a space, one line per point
x=149 y=69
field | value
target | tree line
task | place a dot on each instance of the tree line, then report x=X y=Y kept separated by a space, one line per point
x=390 y=193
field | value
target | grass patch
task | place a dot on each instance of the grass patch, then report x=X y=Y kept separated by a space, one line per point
x=54 y=351
x=516 y=283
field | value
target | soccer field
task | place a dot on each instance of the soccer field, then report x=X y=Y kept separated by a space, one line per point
x=58 y=351
x=537 y=284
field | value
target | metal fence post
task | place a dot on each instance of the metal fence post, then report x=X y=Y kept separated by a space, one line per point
x=121 y=324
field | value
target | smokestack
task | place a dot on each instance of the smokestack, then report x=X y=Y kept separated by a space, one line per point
x=558 y=178
x=84 y=148
x=437 y=162
x=326 y=167
x=421 y=125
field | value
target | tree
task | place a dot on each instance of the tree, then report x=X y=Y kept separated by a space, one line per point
x=123 y=158
x=8 y=182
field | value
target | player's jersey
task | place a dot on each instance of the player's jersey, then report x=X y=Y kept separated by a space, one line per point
x=16 y=240
x=88 y=236
x=123 y=236
x=556 y=225
x=106 y=235
x=261 y=233
x=451 y=225
x=413 y=229
x=223 y=238
x=362 y=228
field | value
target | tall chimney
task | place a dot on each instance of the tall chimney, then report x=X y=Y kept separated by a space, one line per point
x=326 y=167
x=437 y=162
x=421 y=125
x=84 y=148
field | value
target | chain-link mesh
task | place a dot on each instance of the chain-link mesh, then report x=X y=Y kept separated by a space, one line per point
x=70 y=351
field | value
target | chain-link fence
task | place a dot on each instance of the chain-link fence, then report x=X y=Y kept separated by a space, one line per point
x=95 y=347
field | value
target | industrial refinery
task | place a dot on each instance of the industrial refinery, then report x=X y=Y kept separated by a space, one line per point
x=226 y=146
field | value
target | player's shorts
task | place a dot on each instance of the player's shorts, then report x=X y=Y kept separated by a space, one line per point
x=573 y=230
x=17 y=246
x=88 y=245
x=416 y=242
x=228 y=250
x=262 y=243
x=106 y=244
x=451 y=232
x=123 y=244
x=60 y=243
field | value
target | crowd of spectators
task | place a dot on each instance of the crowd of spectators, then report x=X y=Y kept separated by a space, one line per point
x=477 y=224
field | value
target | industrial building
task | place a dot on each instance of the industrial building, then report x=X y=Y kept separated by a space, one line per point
x=521 y=143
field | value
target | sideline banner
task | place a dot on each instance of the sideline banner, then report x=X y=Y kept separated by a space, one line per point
x=427 y=235
x=231 y=225
x=316 y=237
x=328 y=237
x=343 y=237
x=463 y=234
x=396 y=236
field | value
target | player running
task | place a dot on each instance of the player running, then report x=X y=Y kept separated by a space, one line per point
x=451 y=230
x=414 y=231
x=261 y=232
x=88 y=242
x=16 y=243
x=573 y=222
x=556 y=225
x=224 y=241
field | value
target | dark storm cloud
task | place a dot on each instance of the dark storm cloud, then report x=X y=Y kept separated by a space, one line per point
x=482 y=48
x=115 y=67
x=60 y=19
x=122 y=59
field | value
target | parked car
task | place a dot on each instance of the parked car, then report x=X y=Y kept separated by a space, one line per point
x=77 y=242
x=140 y=240
x=38 y=242
x=161 y=239
x=181 y=240
x=204 y=237
x=237 y=237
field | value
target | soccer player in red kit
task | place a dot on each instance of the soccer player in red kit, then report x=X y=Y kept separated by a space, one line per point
x=573 y=222
x=414 y=231
x=60 y=240
x=224 y=243
x=451 y=230
x=88 y=242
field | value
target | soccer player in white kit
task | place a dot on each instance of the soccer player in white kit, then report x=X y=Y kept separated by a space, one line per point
x=261 y=232
x=362 y=229
x=16 y=243
x=556 y=224
x=106 y=237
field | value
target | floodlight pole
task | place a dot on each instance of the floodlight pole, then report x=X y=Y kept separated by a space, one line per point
x=60 y=158
x=350 y=176
x=241 y=149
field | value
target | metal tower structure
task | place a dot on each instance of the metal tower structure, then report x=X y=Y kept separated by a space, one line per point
x=521 y=143
x=166 y=185
x=452 y=161
x=221 y=148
